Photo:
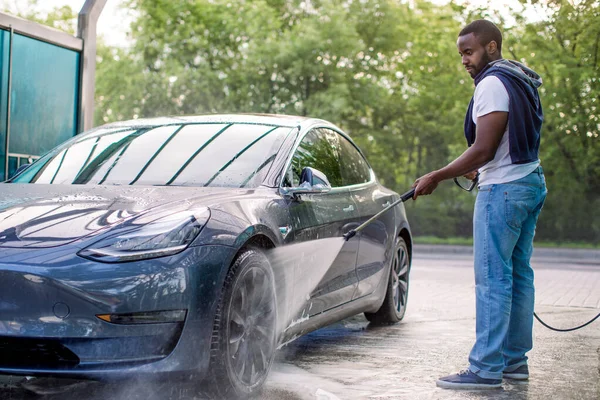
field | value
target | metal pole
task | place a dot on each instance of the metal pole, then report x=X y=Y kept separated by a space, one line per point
x=40 y=32
x=86 y=30
x=7 y=142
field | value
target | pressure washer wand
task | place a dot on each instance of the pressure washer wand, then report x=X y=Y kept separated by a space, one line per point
x=406 y=196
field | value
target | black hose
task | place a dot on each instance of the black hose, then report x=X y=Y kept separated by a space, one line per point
x=565 y=330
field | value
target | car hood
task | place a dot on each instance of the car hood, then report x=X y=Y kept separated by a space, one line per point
x=42 y=216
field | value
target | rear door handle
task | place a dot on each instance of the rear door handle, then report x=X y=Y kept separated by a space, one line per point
x=350 y=208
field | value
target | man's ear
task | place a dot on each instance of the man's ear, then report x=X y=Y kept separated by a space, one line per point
x=492 y=47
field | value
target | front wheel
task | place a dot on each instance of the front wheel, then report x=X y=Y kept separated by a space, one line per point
x=394 y=305
x=244 y=331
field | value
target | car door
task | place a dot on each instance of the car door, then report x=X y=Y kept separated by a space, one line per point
x=322 y=216
x=376 y=238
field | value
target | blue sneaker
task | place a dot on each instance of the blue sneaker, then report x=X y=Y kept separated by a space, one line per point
x=467 y=380
x=521 y=373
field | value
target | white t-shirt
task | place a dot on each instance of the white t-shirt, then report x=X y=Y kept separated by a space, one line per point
x=491 y=95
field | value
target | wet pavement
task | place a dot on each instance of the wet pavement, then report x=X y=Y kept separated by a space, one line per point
x=353 y=360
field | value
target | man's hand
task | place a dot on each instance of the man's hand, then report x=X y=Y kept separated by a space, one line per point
x=471 y=175
x=425 y=185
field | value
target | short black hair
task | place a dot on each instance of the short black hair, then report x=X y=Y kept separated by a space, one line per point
x=485 y=31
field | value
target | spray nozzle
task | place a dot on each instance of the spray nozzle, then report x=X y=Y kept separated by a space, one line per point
x=350 y=235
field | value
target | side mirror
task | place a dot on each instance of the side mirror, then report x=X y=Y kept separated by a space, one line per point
x=312 y=181
x=19 y=170
x=313 y=177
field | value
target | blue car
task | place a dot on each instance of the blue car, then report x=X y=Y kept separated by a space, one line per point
x=150 y=248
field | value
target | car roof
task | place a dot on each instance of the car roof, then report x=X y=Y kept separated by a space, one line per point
x=282 y=120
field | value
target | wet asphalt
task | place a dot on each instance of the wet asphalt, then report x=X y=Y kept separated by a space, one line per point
x=355 y=360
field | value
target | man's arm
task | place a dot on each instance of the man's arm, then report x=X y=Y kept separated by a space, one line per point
x=490 y=129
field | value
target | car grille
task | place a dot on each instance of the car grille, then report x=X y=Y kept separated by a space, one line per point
x=35 y=354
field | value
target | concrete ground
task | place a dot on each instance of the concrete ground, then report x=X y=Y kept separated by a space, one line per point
x=353 y=360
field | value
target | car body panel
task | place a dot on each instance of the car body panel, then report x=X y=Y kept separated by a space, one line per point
x=376 y=239
x=51 y=296
x=330 y=215
x=189 y=281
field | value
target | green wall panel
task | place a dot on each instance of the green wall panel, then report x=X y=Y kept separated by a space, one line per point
x=4 y=44
x=45 y=86
x=44 y=96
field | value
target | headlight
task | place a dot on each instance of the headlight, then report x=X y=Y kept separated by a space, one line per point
x=162 y=237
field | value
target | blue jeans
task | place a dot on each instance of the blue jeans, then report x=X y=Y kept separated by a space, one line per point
x=503 y=227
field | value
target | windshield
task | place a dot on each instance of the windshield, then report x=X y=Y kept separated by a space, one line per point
x=210 y=154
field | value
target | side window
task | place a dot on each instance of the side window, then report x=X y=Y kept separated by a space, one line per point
x=320 y=149
x=354 y=168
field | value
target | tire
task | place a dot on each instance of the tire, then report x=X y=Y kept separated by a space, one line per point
x=394 y=305
x=244 y=331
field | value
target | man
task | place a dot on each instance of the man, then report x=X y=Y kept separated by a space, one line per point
x=502 y=128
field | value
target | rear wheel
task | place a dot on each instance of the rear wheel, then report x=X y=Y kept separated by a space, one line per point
x=394 y=305
x=244 y=332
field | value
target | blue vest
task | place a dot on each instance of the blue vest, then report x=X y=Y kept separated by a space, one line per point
x=525 y=113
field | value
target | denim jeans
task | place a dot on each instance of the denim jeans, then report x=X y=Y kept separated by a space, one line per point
x=503 y=227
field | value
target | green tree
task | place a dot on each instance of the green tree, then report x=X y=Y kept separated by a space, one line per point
x=566 y=51
x=62 y=18
x=386 y=71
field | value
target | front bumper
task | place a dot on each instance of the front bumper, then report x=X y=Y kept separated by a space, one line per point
x=49 y=324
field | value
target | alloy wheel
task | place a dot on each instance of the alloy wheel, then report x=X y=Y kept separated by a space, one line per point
x=252 y=317
x=400 y=269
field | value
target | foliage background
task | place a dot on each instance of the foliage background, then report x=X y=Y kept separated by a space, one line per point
x=386 y=71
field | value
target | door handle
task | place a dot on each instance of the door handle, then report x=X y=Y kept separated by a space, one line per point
x=386 y=204
x=350 y=208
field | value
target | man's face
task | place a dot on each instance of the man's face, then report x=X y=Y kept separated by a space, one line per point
x=474 y=56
